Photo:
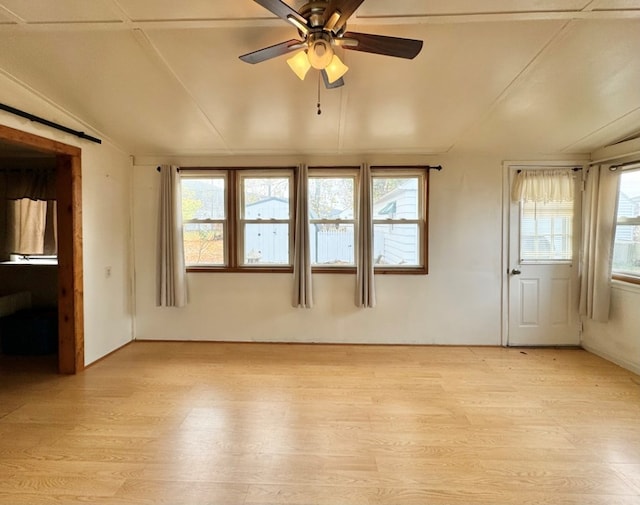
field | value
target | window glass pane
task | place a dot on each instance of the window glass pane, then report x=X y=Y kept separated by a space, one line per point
x=203 y=198
x=626 y=249
x=396 y=244
x=546 y=231
x=266 y=198
x=331 y=244
x=204 y=243
x=266 y=244
x=331 y=197
x=395 y=198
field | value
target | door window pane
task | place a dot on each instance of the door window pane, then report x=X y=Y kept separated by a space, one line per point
x=546 y=231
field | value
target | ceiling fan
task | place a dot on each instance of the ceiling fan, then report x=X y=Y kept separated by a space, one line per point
x=322 y=26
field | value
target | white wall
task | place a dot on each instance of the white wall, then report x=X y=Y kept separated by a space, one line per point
x=457 y=303
x=106 y=211
x=619 y=339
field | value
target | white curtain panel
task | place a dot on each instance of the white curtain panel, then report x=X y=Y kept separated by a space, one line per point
x=365 y=285
x=302 y=283
x=171 y=275
x=599 y=213
x=543 y=185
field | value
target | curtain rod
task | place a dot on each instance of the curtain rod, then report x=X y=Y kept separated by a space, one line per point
x=46 y=122
x=428 y=167
x=574 y=169
x=623 y=166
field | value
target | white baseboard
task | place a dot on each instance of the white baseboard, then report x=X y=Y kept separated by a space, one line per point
x=628 y=365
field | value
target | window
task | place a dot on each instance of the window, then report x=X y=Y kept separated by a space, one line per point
x=332 y=223
x=626 y=248
x=204 y=217
x=546 y=231
x=265 y=219
x=241 y=219
x=399 y=219
x=237 y=219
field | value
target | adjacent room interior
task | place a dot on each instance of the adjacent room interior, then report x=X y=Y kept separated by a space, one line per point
x=344 y=251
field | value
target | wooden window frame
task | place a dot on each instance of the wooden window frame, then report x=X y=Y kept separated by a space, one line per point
x=422 y=221
x=625 y=276
x=338 y=173
x=212 y=174
x=241 y=221
x=232 y=247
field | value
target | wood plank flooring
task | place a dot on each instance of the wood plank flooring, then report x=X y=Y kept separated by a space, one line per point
x=271 y=424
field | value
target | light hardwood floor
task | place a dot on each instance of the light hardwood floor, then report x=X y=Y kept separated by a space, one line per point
x=259 y=424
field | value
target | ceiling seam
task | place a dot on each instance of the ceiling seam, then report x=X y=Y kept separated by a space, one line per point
x=594 y=132
x=12 y=15
x=124 y=16
x=528 y=68
x=148 y=46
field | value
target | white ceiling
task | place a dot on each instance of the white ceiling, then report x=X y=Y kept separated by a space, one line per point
x=161 y=77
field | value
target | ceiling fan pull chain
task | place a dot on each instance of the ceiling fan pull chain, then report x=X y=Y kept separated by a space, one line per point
x=319 y=109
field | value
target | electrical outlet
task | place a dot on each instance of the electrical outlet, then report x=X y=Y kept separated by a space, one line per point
x=107 y=272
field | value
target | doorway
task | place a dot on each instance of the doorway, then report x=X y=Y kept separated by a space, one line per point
x=69 y=223
x=542 y=242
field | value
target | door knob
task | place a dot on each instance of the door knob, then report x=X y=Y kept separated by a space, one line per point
x=515 y=271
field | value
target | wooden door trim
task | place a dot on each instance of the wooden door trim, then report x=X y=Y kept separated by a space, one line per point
x=70 y=272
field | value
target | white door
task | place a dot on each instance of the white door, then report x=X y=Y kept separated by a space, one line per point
x=542 y=272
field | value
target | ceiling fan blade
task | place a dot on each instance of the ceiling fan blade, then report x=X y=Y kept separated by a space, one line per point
x=331 y=85
x=345 y=7
x=282 y=10
x=381 y=44
x=272 y=51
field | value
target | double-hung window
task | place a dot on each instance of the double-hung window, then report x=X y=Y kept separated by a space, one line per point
x=332 y=218
x=205 y=218
x=399 y=219
x=626 y=248
x=265 y=218
x=237 y=219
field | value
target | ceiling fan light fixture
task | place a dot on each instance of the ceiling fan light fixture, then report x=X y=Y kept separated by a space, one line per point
x=320 y=54
x=300 y=65
x=336 y=69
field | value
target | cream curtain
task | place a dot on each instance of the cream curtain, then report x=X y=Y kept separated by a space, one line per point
x=599 y=212
x=543 y=185
x=365 y=284
x=28 y=224
x=302 y=283
x=28 y=210
x=171 y=274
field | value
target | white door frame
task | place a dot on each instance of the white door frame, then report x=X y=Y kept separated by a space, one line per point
x=507 y=167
